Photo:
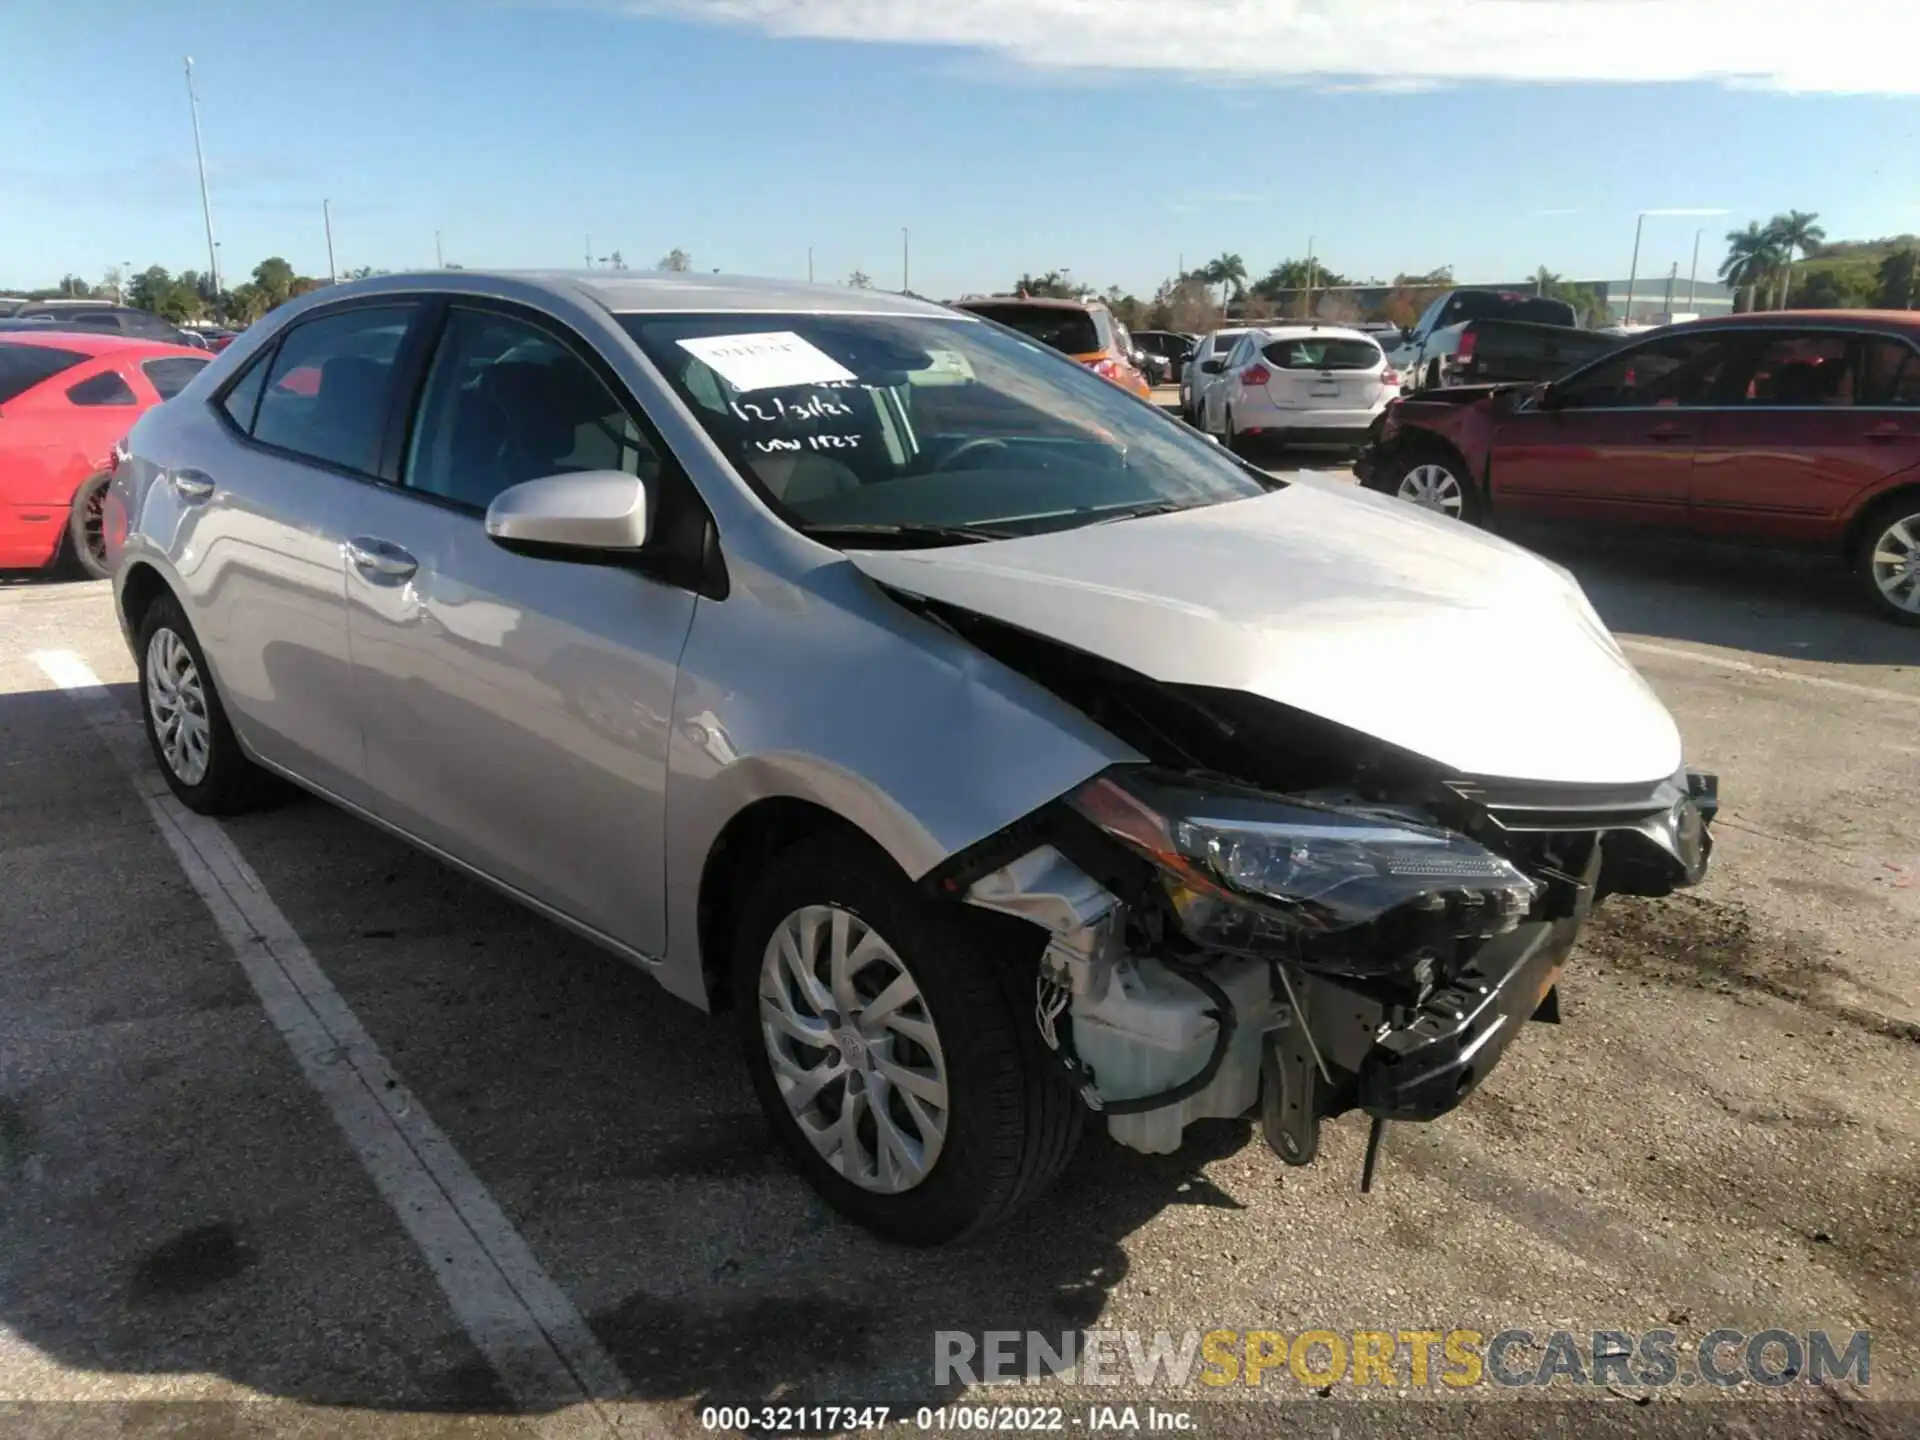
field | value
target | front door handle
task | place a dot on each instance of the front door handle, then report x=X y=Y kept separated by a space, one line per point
x=1666 y=433
x=381 y=561
x=191 y=484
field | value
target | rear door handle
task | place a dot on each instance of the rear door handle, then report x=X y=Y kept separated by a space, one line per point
x=191 y=484
x=1889 y=431
x=381 y=561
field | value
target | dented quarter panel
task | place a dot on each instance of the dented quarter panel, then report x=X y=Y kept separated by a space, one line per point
x=821 y=688
x=1443 y=640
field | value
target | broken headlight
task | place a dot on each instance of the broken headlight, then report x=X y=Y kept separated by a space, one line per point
x=1247 y=871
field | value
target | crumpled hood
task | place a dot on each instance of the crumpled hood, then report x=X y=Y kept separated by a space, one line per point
x=1363 y=610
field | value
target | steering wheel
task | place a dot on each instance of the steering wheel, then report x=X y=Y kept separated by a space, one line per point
x=965 y=447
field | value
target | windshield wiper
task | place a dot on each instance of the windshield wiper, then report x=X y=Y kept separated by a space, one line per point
x=907 y=535
x=1158 y=507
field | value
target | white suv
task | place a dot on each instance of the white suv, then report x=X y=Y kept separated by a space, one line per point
x=1300 y=385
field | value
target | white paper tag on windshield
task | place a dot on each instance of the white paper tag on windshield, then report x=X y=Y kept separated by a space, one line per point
x=767 y=361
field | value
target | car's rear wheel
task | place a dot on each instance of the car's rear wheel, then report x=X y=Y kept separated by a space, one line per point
x=1231 y=437
x=892 y=1046
x=185 y=722
x=1432 y=481
x=1889 y=560
x=86 y=527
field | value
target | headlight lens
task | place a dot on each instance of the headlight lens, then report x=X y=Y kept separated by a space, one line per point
x=1241 y=868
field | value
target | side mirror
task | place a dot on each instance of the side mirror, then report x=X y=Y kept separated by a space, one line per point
x=1212 y=367
x=579 y=516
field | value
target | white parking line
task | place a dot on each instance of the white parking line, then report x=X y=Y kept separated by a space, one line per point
x=1769 y=672
x=530 y=1332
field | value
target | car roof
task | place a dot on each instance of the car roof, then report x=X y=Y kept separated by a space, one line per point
x=643 y=292
x=94 y=345
x=1038 y=302
x=1907 y=320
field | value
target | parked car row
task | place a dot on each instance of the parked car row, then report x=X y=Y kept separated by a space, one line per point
x=1787 y=429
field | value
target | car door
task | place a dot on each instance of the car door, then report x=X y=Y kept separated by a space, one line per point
x=1221 y=388
x=1820 y=416
x=267 y=506
x=516 y=710
x=1614 y=442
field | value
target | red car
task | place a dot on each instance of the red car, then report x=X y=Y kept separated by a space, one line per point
x=1795 y=429
x=66 y=399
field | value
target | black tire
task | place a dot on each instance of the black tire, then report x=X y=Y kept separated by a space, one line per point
x=86 y=535
x=1233 y=439
x=231 y=783
x=1902 y=510
x=1012 y=1121
x=1388 y=476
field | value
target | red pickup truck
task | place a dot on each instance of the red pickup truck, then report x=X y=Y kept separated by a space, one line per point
x=1794 y=429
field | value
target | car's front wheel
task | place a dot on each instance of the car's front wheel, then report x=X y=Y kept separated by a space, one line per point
x=1432 y=481
x=185 y=722
x=892 y=1045
x=1889 y=560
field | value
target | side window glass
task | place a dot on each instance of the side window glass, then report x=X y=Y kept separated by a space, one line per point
x=172 y=375
x=244 y=397
x=1680 y=370
x=506 y=402
x=1889 y=372
x=106 y=388
x=1794 y=371
x=326 y=395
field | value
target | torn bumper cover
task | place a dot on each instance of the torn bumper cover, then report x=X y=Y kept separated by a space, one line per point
x=1214 y=948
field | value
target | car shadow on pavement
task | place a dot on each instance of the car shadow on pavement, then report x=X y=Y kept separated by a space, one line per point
x=175 y=1202
x=1795 y=607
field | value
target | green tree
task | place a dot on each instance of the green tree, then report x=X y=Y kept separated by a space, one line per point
x=274 y=278
x=1052 y=286
x=859 y=280
x=676 y=260
x=1836 y=287
x=1753 y=257
x=1895 y=287
x=1229 y=272
x=1795 y=230
x=149 y=288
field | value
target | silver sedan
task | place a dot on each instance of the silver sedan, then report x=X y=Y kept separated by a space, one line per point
x=1000 y=752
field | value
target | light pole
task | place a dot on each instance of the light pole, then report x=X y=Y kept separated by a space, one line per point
x=589 y=252
x=206 y=205
x=809 y=264
x=326 y=212
x=906 y=241
x=1693 y=276
x=1633 y=270
x=126 y=269
x=439 y=254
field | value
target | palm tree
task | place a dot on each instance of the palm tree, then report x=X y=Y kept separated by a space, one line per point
x=1792 y=231
x=1753 y=255
x=1229 y=272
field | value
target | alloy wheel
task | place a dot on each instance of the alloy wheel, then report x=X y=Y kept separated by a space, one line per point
x=853 y=1048
x=1896 y=564
x=1433 y=487
x=177 y=700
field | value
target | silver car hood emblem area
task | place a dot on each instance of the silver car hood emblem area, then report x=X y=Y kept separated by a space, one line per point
x=1414 y=629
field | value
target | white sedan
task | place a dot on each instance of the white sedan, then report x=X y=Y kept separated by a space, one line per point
x=1196 y=377
x=1299 y=385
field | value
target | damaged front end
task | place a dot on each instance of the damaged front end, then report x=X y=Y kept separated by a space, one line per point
x=1276 y=916
x=1214 y=948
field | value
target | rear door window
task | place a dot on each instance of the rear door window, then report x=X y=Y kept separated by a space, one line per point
x=106 y=388
x=326 y=396
x=24 y=366
x=1890 y=372
x=1799 y=369
x=171 y=375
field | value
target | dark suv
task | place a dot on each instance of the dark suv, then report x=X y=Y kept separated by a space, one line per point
x=95 y=318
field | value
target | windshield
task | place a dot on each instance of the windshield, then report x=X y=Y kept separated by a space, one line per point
x=24 y=366
x=925 y=424
x=1068 y=329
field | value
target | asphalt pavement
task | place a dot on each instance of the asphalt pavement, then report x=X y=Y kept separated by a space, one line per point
x=200 y=1232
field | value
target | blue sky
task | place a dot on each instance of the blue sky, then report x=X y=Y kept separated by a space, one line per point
x=1005 y=134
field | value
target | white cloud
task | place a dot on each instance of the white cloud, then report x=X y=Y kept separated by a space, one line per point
x=1777 y=44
